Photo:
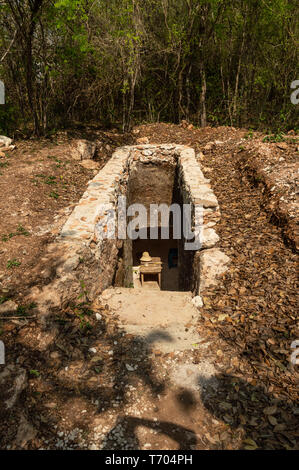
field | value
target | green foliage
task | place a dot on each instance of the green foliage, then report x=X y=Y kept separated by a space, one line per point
x=3 y=298
x=12 y=263
x=249 y=135
x=50 y=180
x=116 y=61
x=34 y=372
x=24 y=310
x=274 y=138
x=83 y=312
x=20 y=231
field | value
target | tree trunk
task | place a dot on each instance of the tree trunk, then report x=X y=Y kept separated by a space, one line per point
x=203 y=109
x=235 y=100
x=30 y=87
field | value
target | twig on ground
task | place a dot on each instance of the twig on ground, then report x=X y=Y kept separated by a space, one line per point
x=17 y=318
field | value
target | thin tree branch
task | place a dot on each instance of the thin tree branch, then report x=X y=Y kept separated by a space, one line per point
x=9 y=47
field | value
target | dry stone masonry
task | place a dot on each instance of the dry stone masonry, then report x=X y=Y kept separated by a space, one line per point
x=145 y=174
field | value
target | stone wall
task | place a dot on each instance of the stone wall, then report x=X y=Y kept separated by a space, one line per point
x=146 y=174
x=205 y=264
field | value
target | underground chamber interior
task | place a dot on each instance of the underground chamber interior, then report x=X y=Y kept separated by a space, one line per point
x=156 y=183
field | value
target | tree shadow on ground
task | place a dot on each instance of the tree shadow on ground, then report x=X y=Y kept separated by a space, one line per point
x=124 y=436
x=64 y=374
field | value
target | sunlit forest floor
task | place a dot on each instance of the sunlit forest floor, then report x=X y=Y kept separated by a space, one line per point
x=61 y=396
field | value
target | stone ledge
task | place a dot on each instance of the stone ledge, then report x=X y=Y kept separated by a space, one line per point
x=213 y=263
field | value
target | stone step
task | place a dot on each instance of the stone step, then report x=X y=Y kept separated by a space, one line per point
x=160 y=293
x=151 y=307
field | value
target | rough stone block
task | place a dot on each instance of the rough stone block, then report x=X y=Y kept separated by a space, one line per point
x=213 y=263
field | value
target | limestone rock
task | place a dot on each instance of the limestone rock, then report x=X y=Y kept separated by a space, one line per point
x=142 y=140
x=69 y=265
x=90 y=165
x=282 y=145
x=5 y=141
x=213 y=263
x=83 y=150
x=207 y=200
x=6 y=149
x=209 y=238
x=106 y=295
x=184 y=124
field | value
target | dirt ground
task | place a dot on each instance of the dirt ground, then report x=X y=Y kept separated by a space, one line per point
x=40 y=184
x=72 y=397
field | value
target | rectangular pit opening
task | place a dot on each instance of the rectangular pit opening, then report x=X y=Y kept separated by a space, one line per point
x=155 y=182
x=144 y=174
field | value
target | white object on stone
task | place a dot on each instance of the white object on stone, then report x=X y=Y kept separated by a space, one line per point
x=98 y=316
x=197 y=301
x=136 y=273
